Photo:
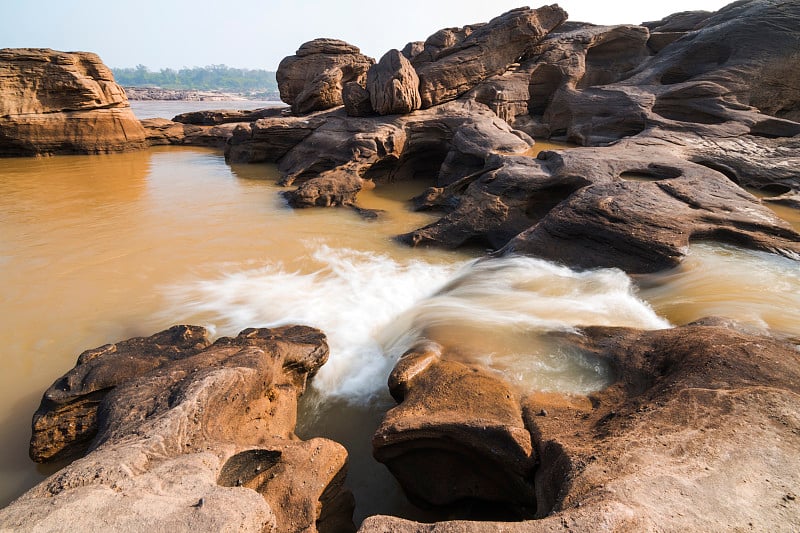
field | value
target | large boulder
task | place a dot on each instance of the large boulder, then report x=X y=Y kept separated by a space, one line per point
x=485 y=52
x=669 y=446
x=313 y=78
x=457 y=434
x=179 y=433
x=62 y=103
x=393 y=85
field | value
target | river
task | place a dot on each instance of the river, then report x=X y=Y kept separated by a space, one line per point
x=96 y=249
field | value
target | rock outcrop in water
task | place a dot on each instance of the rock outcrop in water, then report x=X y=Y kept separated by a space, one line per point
x=62 y=103
x=698 y=432
x=181 y=434
x=700 y=103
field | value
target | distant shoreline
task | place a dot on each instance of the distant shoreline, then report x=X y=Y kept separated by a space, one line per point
x=189 y=95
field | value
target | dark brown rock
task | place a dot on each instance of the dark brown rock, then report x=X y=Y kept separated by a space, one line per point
x=269 y=139
x=631 y=207
x=669 y=445
x=312 y=80
x=215 y=117
x=62 y=103
x=356 y=100
x=487 y=51
x=183 y=433
x=393 y=85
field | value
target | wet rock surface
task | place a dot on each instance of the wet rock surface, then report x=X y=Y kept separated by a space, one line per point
x=667 y=447
x=55 y=102
x=181 y=433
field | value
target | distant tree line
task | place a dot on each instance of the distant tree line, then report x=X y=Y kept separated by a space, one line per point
x=212 y=77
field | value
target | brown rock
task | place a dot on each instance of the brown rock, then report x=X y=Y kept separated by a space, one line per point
x=457 y=434
x=183 y=434
x=215 y=117
x=669 y=445
x=356 y=100
x=269 y=139
x=393 y=85
x=312 y=80
x=487 y=51
x=62 y=103
x=627 y=206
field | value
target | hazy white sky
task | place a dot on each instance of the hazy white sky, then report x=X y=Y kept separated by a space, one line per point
x=259 y=33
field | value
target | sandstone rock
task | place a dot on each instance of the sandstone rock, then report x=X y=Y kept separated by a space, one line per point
x=160 y=131
x=182 y=433
x=268 y=139
x=668 y=446
x=439 y=144
x=216 y=117
x=393 y=85
x=457 y=434
x=62 y=103
x=312 y=80
x=428 y=51
x=356 y=100
x=635 y=208
x=487 y=51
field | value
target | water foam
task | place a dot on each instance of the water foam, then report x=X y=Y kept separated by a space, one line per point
x=373 y=308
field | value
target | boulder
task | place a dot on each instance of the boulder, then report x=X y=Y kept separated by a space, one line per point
x=393 y=85
x=356 y=100
x=62 y=103
x=485 y=52
x=179 y=433
x=312 y=79
x=457 y=434
x=667 y=447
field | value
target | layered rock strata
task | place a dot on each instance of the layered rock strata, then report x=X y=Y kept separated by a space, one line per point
x=62 y=103
x=175 y=433
x=312 y=79
x=667 y=447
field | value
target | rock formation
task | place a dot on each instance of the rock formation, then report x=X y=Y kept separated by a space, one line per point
x=179 y=433
x=393 y=85
x=669 y=446
x=312 y=80
x=488 y=51
x=62 y=103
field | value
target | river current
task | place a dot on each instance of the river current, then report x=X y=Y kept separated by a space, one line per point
x=96 y=249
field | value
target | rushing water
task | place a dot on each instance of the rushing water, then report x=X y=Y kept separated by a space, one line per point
x=97 y=249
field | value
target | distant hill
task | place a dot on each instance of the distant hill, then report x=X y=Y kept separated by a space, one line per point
x=209 y=78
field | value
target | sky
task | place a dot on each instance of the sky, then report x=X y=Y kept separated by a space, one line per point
x=259 y=33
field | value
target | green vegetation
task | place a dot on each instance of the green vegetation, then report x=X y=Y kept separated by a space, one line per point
x=212 y=77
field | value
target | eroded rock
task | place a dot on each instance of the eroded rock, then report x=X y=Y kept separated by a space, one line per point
x=182 y=433
x=393 y=85
x=55 y=102
x=668 y=446
x=485 y=52
x=312 y=80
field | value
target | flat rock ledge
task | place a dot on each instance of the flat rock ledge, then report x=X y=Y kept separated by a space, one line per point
x=175 y=433
x=698 y=431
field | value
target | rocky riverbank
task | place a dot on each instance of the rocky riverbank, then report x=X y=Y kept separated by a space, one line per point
x=700 y=427
x=157 y=93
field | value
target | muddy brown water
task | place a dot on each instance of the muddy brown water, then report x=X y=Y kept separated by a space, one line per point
x=95 y=249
